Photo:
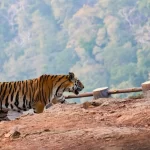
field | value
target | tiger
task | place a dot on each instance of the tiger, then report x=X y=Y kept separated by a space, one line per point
x=37 y=93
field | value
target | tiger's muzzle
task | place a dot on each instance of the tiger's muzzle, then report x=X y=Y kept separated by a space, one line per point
x=76 y=91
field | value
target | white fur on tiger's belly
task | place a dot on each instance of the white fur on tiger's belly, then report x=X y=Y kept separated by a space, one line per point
x=12 y=115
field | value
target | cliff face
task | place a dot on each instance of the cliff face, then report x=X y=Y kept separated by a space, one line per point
x=111 y=124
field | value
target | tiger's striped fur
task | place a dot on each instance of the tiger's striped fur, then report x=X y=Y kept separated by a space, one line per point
x=37 y=93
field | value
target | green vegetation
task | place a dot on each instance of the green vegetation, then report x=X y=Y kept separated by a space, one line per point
x=105 y=42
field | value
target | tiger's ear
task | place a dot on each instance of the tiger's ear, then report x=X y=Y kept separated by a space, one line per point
x=71 y=75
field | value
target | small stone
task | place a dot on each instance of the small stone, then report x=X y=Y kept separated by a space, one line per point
x=112 y=111
x=13 y=134
x=93 y=112
x=86 y=105
x=119 y=115
x=105 y=104
x=122 y=106
x=16 y=134
x=46 y=130
x=147 y=125
x=7 y=135
x=96 y=104
x=102 y=119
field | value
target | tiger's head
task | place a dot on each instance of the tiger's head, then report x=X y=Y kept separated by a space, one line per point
x=75 y=84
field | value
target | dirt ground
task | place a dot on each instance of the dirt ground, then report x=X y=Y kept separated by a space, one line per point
x=116 y=124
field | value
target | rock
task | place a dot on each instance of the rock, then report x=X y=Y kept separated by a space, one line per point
x=14 y=132
x=86 y=105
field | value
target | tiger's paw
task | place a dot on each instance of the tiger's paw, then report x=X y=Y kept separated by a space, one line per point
x=48 y=105
x=29 y=112
x=64 y=102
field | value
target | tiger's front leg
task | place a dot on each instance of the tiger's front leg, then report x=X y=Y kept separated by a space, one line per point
x=62 y=99
x=55 y=100
x=59 y=98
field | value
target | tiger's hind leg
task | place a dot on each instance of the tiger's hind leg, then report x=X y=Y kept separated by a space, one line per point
x=37 y=104
x=38 y=107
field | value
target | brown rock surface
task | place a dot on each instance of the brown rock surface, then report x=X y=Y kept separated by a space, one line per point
x=113 y=124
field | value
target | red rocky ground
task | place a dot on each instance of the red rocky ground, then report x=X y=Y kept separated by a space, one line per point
x=116 y=124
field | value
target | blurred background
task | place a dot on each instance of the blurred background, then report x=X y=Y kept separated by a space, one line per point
x=104 y=42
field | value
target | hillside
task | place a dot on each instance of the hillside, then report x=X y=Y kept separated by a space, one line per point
x=99 y=40
x=116 y=124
